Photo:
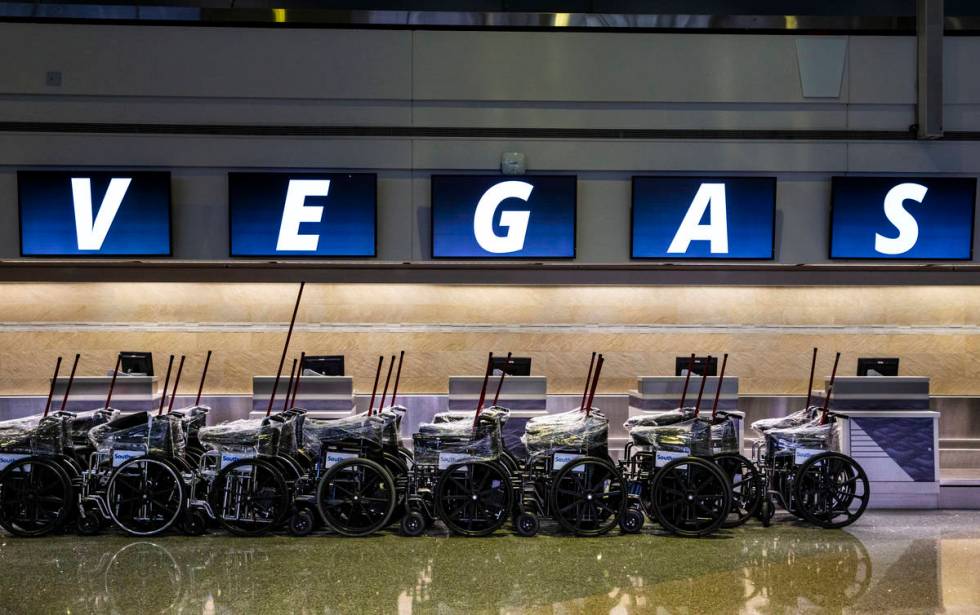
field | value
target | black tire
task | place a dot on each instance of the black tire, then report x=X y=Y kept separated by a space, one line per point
x=631 y=522
x=89 y=524
x=746 y=486
x=831 y=490
x=588 y=496
x=36 y=497
x=145 y=496
x=356 y=497
x=301 y=523
x=413 y=524
x=473 y=499
x=194 y=522
x=249 y=497
x=691 y=497
x=767 y=510
x=526 y=524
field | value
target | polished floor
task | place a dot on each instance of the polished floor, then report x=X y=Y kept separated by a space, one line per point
x=890 y=562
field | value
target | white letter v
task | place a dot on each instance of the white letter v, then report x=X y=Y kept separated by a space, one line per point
x=91 y=234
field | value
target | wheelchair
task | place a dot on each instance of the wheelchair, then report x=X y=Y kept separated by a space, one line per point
x=458 y=477
x=247 y=474
x=803 y=472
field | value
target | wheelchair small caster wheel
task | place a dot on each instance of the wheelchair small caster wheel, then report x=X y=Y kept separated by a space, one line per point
x=413 y=524
x=526 y=524
x=301 y=523
x=631 y=521
x=89 y=524
x=767 y=511
x=194 y=523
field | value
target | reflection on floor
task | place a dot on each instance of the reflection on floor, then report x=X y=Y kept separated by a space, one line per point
x=909 y=562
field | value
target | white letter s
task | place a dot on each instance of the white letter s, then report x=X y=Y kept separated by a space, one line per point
x=908 y=228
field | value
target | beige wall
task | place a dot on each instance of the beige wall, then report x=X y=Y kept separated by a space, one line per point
x=448 y=329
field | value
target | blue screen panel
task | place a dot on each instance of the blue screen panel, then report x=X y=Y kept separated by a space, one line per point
x=499 y=217
x=920 y=218
x=94 y=213
x=721 y=218
x=302 y=214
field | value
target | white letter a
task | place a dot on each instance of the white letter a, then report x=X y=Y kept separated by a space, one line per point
x=691 y=229
x=91 y=234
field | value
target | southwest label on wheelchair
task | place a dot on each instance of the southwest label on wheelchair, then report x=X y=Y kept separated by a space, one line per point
x=448 y=459
x=229 y=458
x=8 y=458
x=334 y=457
x=562 y=459
x=665 y=457
x=121 y=457
x=801 y=455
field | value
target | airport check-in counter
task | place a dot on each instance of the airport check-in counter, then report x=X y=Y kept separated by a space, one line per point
x=323 y=397
x=655 y=394
x=888 y=428
x=524 y=396
x=131 y=393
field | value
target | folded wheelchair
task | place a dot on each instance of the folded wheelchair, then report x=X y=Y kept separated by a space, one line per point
x=802 y=469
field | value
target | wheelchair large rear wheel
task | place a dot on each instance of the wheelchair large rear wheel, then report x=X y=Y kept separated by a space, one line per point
x=145 y=496
x=746 y=486
x=473 y=499
x=587 y=496
x=831 y=490
x=36 y=497
x=691 y=497
x=356 y=497
x=249 y=497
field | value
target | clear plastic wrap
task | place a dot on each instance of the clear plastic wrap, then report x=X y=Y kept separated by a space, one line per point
x=655 y=419
x=34 y=435
x=450 y=416
x=392 y=416
x=139 y=432
x=446 y=443
x=83 y=422
x=356 y=430
x=690 y=437
x=795 y=419
x=192 y=419
x=250 y=436
x=804 y=441
x=573 y=431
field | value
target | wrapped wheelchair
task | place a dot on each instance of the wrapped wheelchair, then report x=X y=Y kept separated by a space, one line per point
x=802 y=468
x=458 y=476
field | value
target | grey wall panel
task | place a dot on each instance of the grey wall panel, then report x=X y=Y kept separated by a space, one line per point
x=880 y=117
x=196 y=110
x=721 y=116
x=954 y=157
x=881 y=69
x=604 y=219
x=396 y=213
x=224 y=62
x=631 y=155
x=9 y=226
x=175 y=151
x=605 y=67
x=960 y=83
x=802 y=219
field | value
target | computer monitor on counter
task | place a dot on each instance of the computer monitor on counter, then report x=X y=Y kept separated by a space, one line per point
x=698 y=367
x=136 y=363
x=327 y=365
x=515 y=366
x=875 y=366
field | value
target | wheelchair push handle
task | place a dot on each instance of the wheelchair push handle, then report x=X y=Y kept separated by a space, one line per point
x=299 y=375
x=809 y=389
x=687 y=379
x=830 y=390
x=384 y=393
x=71 y=380
x=595 y=383
x=398 y=376
x=588 y=381
x=54 y=380
x=721 y=379
x=112 y=383
x=289 y=386
x=166 y=385
x=204 y=374
x=173 y=395
x=374 y=390
x=704 y=379
x=500 y=384
x=285 y=348
x=483 y=390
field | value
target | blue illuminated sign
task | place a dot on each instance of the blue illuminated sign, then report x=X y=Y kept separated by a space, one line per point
x=302 y=214
x=923 y=218
x=497 y=217
x=703 y=217
x=94 y=213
